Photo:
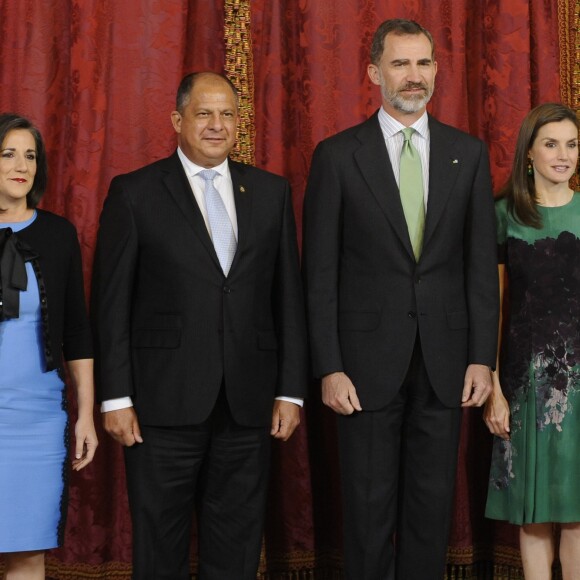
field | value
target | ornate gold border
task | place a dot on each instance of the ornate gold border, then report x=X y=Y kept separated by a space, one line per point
x=239 y=67
x=564 y=36
x=502 y=563
x=569 y=34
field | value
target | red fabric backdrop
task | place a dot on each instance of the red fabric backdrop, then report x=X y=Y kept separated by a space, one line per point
x=99 y=79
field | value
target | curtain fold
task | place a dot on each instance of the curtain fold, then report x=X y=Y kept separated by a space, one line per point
x=99 y=79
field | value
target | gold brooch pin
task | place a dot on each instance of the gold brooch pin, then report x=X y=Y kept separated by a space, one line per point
x=242 y=189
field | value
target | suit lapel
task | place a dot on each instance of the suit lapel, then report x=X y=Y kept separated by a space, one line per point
x=444 y=166
x=179 y=188
x=375 y=165
x=243 y=190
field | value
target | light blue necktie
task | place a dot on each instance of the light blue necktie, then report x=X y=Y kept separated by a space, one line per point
x=222 y=232
x=411 y=190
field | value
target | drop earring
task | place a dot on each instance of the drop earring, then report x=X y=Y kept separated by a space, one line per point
x=530 y=167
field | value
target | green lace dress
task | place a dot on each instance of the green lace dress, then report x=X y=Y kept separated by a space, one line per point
x=535 y=477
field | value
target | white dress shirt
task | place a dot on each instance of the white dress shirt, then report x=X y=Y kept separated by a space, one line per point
x=223 y=183
x=392 y=133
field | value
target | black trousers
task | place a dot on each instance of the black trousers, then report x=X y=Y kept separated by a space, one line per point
x=398 y=474
x=218 y=468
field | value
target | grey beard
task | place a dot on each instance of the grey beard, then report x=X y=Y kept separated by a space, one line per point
x=406 y=105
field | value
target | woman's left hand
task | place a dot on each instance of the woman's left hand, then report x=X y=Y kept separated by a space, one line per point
x=85 y=442
x=496 y=413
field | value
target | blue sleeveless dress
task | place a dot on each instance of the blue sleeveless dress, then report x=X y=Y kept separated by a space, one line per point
x=33 y=430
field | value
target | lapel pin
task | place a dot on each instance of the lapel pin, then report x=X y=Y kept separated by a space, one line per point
x=455 y=161
x=242 y=189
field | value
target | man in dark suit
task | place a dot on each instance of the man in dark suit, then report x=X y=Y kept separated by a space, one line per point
x=200 y=332
x=402 y=308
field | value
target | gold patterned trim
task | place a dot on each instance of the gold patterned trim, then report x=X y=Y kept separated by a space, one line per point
x=296 y=565
x=565 y=54
x=503 y=564
x=569 y=34
x=500 y=562
x=240 y=69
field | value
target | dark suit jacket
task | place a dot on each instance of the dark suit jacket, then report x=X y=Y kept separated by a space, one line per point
x=169 y=325
x=367 y=297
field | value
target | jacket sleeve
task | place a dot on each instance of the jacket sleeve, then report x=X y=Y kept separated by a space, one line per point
x=77 y=339
x=321 y=255
x=289 y=310
x=480 y=255
x=111 y=297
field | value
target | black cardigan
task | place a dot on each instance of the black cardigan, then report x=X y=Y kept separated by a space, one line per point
x=58 y=269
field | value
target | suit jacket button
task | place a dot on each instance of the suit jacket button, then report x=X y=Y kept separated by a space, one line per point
x=227 y=289
x=411 y=314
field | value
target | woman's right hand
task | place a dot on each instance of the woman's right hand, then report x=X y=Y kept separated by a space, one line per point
x=496 y=413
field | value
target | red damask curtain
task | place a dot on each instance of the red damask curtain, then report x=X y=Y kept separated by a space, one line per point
x=99 y=79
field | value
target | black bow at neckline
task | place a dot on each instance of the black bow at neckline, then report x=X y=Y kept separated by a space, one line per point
x=14 y=253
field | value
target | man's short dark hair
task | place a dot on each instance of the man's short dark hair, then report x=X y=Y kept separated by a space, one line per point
x=187 y=83
x=400 y=27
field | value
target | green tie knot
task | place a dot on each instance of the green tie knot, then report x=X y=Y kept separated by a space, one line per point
x=407 y=132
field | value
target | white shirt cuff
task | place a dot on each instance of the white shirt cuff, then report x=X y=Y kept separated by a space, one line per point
x=125 y=402
x=116 y=404
x=296 y=401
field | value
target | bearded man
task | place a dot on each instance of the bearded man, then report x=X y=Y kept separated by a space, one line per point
x=402 y=291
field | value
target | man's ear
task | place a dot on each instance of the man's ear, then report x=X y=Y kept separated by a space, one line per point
x=176 y=121
x=374 y=75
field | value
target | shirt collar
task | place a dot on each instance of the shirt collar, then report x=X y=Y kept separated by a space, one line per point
x=390 y=126
x=192 y=168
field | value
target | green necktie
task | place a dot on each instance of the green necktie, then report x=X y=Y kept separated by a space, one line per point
x=411 y=190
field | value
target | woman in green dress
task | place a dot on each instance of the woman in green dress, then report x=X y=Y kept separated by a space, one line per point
x=534 y=408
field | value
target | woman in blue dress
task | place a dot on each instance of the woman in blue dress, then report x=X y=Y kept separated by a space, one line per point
x=534 y=408
x=43 y=322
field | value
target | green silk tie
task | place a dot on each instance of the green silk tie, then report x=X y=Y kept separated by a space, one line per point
x=411 y=191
